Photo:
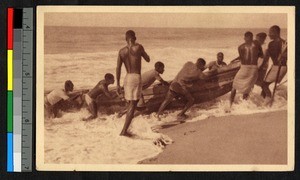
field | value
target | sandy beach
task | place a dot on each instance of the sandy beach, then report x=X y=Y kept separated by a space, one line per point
x=236 y=139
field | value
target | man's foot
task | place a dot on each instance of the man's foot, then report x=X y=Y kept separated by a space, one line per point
x=182 y=117
x=126 y=134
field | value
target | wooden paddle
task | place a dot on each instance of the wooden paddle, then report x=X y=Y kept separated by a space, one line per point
x=284 y=46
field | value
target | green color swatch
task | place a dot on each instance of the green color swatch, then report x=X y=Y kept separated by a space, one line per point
x=10 y=111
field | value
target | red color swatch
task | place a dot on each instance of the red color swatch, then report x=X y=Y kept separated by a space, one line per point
x=10 y=23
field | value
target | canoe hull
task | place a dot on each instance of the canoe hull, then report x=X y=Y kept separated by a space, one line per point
x=215 y=86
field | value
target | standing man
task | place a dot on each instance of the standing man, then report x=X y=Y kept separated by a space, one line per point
x=131 y=55
x=244 y=80
x=218 y=63
x=277 y=50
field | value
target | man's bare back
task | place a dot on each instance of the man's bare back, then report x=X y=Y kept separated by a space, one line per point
x=274 y=49
x=131 y=56
x=249 y=53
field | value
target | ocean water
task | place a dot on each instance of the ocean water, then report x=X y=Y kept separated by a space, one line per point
x=85 y=54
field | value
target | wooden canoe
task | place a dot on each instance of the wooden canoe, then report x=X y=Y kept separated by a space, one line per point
x=218 y=84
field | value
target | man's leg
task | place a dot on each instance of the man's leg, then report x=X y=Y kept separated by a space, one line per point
x=231 y=99
x=268 y=93
x=263 y=93
x=266 y=89
x=92 y=107
x=141 y=102
x=129 y=117
x=55 y=111
x=245 y=96
x=140 y=107
x=165 y=103
x=190 y=101
x=232 y=96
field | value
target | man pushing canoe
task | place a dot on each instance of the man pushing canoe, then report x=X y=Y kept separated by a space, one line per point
x=180 y=86
x=249 y=52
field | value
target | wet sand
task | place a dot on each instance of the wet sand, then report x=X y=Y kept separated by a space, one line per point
x=240 y=139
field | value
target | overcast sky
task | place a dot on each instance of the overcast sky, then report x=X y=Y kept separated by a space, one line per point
x=187 y=20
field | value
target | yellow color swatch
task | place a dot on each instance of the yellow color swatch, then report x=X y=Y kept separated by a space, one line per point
x=10 y=70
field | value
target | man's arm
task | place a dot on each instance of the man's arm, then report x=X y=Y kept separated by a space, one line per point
x=118 y=73
x=118 y=69
x=260 y=51
x=69 y=96
x=144 y=54
x=106 y=91
x=265 y=59
x=157 y=77
x=240 y=52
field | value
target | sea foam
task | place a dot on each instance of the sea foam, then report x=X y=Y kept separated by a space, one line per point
x=70 y=140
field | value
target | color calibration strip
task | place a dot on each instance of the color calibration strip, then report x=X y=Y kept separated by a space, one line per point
x=10 y=17
x=19 y=94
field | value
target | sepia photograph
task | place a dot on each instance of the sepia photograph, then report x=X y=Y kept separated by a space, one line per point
x=160 y=88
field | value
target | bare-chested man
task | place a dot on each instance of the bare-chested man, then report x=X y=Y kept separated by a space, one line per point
x=131 y=55
x=277 y=50
x=249 y=52
x=180 y=86
x=91 y=97
x=218 y=63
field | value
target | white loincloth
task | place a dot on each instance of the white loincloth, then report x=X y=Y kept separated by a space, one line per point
x=271 y=75
x=132 y=87
x=245 y=79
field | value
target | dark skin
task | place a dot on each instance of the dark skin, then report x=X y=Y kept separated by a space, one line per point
x=249 y=52
x=68 y=89
x=93 y=106
x=244 y=50
x=160 y=70
x=220 y=57
x=183 y=92
x=131 y=56
x=261 y=41
x=274 y=49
